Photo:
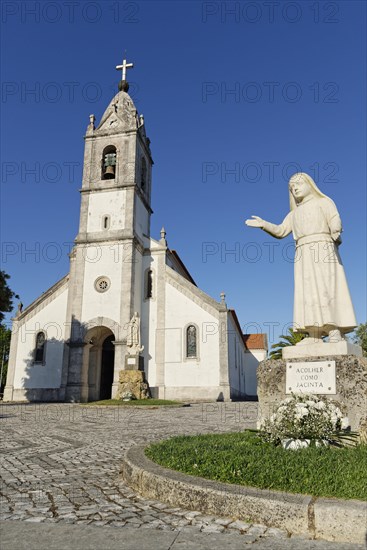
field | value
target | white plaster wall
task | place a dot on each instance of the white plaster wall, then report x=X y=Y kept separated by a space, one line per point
x=238 y=356
x=107 y=203
x=233 y=356
x=149 y=322
x=50 y=319
x=252 y=359
x=151 y=243
x=204 y=371
x=138 y=281
x=103 y=260
x=141 y=218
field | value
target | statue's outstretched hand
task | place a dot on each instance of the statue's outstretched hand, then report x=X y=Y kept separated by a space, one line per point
x=255 y=222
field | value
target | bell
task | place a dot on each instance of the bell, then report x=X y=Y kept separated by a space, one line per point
x=109 y=173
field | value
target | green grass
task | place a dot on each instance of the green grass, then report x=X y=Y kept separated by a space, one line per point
x=136 y=402
x=244 y=459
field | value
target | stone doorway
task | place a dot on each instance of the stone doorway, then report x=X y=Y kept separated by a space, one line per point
x=107 y=366
x=98 y=364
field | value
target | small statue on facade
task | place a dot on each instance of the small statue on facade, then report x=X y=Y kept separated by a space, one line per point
x=133 y=335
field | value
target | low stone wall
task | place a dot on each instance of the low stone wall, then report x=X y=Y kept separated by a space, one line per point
x=328 y=519
x=351 y=385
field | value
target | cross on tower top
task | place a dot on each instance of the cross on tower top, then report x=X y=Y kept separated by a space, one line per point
x=124 y=66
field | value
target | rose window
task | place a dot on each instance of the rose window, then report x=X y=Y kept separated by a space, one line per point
x=102 y=284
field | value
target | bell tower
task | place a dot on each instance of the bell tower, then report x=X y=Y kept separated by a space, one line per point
x=116 y=188
x=106 y=270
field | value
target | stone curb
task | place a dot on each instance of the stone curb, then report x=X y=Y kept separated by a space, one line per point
x=320 y=518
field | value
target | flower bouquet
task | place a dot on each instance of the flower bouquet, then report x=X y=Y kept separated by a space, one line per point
x=302 y=420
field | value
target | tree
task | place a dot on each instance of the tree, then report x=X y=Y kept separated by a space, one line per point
x=6 y=295
x=5 y=335
x=360 y=337
x=290 y=339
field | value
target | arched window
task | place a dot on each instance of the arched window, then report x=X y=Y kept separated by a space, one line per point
x=106 y=222
x=39 y=354
x=143 y=178
x=109 y=162
x=148 y=293
x=191 y=341
x=149 y=283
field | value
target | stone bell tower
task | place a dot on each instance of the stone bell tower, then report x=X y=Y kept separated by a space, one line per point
x=106 y=263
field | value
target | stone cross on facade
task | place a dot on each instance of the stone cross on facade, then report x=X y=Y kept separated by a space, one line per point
x=124 y=66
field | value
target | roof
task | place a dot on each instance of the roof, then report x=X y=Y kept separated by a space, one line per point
x=43 y=297
x=183 y=267
x=251 y=341
x=255 y=341
x=236 y=321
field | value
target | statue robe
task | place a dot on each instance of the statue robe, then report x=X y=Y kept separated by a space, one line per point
x=321 y=294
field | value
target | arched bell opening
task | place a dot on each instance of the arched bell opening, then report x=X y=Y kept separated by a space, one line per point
x=109 y=160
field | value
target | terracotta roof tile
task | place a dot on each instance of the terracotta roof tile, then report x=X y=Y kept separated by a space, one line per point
x=255 y=341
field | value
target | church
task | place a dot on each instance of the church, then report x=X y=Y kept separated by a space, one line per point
x=128 y=301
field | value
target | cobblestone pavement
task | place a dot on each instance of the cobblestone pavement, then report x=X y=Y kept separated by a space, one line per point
x=60 y=464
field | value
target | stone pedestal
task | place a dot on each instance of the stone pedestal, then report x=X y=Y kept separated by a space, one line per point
x=351 y=384
x=133 y=381
x=310 y=347
x=134 y=362
x=120 y=352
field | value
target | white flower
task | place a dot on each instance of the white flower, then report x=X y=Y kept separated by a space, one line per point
x=295 y=444
x=334 y=418
x=322 y=417
x=301 y=411
x=334 y=409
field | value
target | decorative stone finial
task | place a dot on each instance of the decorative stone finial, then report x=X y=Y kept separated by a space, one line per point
x=141 y=120
x=92 y=119
x=163 y=240
x=123 y=84
x=223 y=297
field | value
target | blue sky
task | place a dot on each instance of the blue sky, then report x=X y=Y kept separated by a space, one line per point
x=236 y=96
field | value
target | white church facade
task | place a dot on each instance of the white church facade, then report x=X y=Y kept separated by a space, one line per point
x=72 y=342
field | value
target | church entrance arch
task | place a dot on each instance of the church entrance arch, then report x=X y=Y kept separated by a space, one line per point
x=107 y=366
x=98 y=363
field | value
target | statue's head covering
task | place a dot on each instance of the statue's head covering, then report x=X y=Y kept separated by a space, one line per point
x=304 y=177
